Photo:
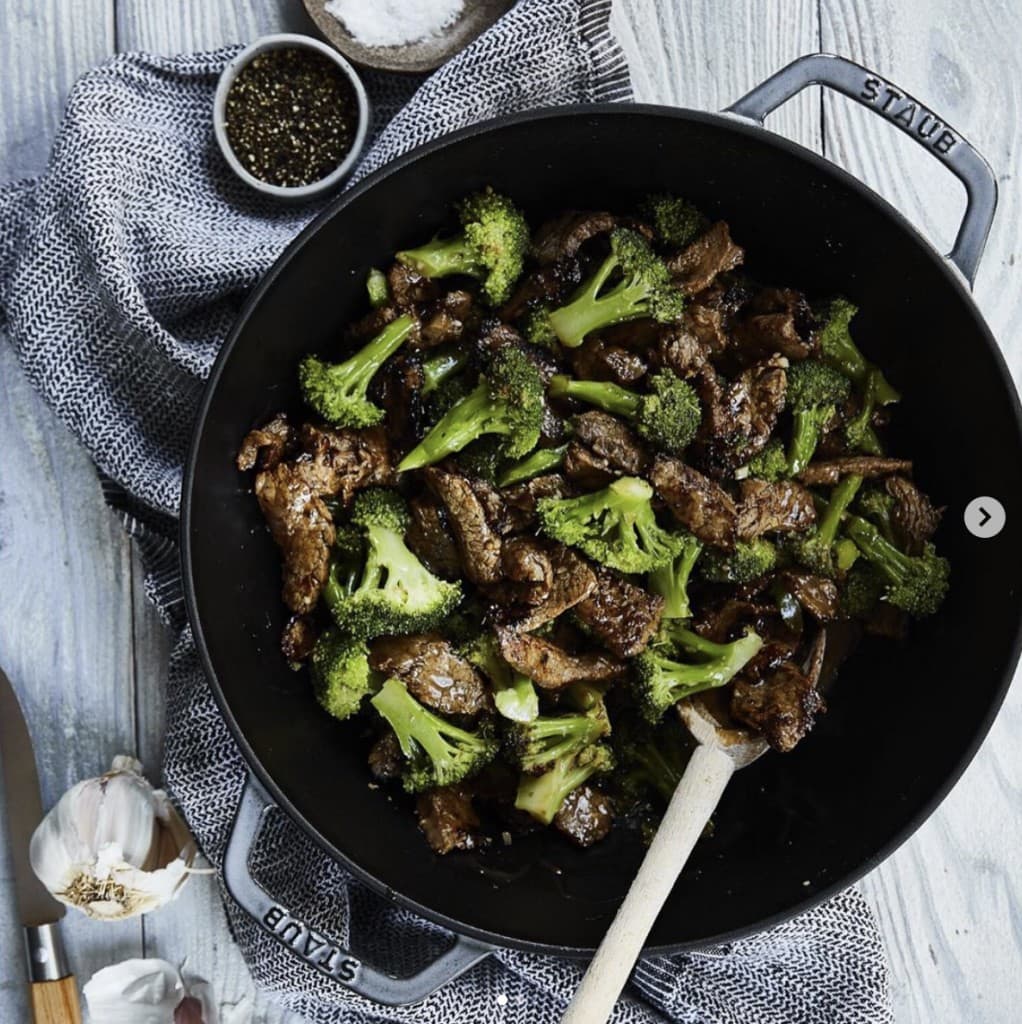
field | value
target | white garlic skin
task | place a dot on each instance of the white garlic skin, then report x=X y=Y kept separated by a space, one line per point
x=148 y=992
x=113 y=847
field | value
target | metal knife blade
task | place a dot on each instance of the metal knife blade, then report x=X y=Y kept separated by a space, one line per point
x=24 y=809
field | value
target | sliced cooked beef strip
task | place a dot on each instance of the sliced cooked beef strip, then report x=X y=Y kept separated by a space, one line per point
x=608 y=437
x=520 y=499
x=398 y=388
x=622 y=616
x=712 y=253
x=449 y=318
x=582 y=466
x=338 y=463
x=428 y=537
x=565 y=235
x=572 y=580
x=777 y=320
x=368 y=326
x=408 y=287
x=734 y=617
x=784 y=506
x=545 y=286
x=447 y=818
x=586 y=816
x=699 y=504
x=551 y=667
x=817 y=594
x=298 y=638
x=494 y=335
x=266 y=445
x=913 y=517
x=598 y=359
x=867 y=466
x=385 y=757
x=433 y=673
x=680 y=350
x=477 y=540
x=528 y=570
x=782 y=706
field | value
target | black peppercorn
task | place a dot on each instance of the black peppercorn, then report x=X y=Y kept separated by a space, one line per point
x=291 y=116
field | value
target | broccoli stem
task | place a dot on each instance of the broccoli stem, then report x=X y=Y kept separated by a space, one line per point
x=890 y=560
x=532 y=465
x=840 y=498
x=443 y=257
x=441 y=366
x=378 y=288
x=542 y=795
x=516 y=698
x=670 y=581
x=589 y=311
x=807 y=426
x=603 y=394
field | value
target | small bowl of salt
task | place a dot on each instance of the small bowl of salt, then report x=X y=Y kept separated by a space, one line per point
x=404 y=35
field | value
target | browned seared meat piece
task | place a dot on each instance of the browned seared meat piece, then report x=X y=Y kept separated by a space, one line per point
x=582 y=466
x=572 y=581
x=495 y=334
x=448 y=819
x=448 y=319
x=520 y=499
x=266 y=445
x=430 y=539
x=913 y=517
x=586 y=816
x=739 y=418
x=766 y=507
x=782 y=705
x=699 y=504
x=397 y=389
x=337 y=463
x=408 y=287
x=680 y=350
x=551 y=667
x=566 y=234
x=817 y=594
x=544 y=286
x=887 y=621
x=298 y=638
x=528 y=570
x=712 y=253
x=598 y=359
x=608 y=437
x=867 y=466
x=477 y=540
x=433 y=673
x=371 y=324
x=777 y=320
x=385 y=758
x=622 y=616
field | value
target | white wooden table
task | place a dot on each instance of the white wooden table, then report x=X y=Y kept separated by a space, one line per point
x=88 y=655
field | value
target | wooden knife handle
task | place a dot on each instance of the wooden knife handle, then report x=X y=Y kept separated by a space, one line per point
x=56 y=1002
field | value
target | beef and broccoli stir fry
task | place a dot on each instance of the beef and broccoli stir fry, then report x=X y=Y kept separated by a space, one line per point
x=555 y=482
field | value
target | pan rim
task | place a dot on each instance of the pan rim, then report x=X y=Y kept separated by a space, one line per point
x=719 y=120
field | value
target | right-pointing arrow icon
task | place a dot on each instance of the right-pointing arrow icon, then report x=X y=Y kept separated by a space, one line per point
x=984 y=517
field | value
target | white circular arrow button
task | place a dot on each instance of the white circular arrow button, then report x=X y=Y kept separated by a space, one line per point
x=984 y=517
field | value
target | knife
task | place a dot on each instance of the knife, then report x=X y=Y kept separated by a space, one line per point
x=52 y=986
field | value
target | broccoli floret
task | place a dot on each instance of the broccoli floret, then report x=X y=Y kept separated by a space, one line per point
x=615 y=526
x=650 y=758
x=748 y=561
x=663 y=680
x=513 y=693
x=542 y=795
x=535 y=745
x=442 y=364
x=916 y=583
x=490 y=247
x=385 y=589
x=841 y=352
x=482 y=458
x=859 y=433
x=645 y=289
x=771 y=463
x=676 y=221
x=341 y=676
x=815 y=549
x=508 y=400
x=877 y=506
x=437 y=753
x=862 y=589
x=377 y=287
x=536 y=327
x=814 y=390
x=670 y=581
x=667 y=416
x=337 y=391
x=540 y=461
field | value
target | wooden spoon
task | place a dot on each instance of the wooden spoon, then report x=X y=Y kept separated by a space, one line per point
x=722 y=749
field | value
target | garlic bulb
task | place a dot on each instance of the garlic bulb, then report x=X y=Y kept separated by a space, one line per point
x=113 y=847
x=148 y=992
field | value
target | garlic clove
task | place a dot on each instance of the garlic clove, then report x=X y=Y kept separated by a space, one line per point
x=135 y=992
x=113 y=847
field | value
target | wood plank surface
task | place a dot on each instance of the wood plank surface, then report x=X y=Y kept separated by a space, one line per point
x=88 y=655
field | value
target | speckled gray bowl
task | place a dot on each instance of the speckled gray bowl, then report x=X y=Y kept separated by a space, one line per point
x=280 y=42
x=424 y=55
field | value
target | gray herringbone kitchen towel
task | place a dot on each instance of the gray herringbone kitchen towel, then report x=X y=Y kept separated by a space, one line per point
x=121 y=270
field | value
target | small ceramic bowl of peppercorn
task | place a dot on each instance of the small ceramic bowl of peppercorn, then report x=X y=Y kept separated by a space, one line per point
x=290 y=116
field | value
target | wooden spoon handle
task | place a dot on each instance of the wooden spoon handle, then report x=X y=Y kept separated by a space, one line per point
x=56 y=1002
x=698 y=793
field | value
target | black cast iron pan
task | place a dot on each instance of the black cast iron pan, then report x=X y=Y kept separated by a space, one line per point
x=904 y=720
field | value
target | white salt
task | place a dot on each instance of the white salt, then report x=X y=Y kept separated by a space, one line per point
x=394 y=22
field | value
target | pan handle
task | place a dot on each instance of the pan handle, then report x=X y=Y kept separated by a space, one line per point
x=912 y=117
x=320 y=951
